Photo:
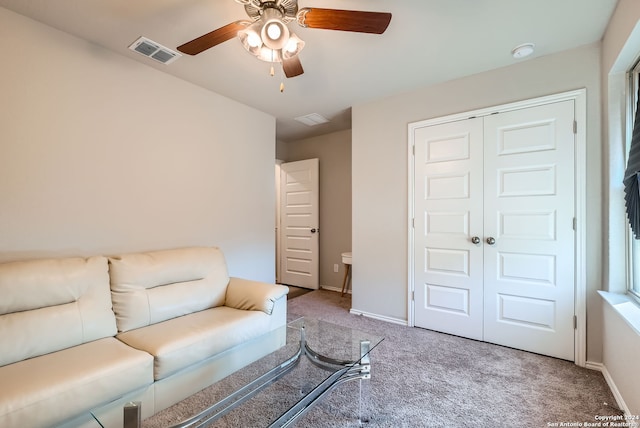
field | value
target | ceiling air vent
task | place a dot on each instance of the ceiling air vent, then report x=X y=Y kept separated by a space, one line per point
x=312 y=119
x=154 y=50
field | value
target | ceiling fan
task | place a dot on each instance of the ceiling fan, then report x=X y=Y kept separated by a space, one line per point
x=267 y=36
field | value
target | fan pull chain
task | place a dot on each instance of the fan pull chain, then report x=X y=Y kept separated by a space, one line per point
x=272 y=72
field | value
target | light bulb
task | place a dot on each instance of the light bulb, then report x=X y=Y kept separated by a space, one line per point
x=292 y=45
x=273 y=31
x=253 y=40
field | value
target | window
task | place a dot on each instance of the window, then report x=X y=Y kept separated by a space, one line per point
x=634 y=246
x=634 y=284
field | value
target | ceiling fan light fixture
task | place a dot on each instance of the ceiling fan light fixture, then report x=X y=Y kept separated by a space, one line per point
x=267 y=55
x=275 y=34
x=250 y=38
x=253 y=39
x=269 y=39
x=274 y=30
x=293 y=47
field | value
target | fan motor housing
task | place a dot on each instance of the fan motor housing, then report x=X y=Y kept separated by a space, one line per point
x=288 y=9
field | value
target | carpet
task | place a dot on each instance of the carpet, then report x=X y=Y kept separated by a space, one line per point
x=421 y=378
x=296 y=291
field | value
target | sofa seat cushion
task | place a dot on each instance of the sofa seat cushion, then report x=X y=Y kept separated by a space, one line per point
x=48 y=389
x=183 y=341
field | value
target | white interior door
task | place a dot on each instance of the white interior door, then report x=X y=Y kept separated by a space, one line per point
x=506 y=179
x=448 y=206
x=529 y=212
x=299 y=223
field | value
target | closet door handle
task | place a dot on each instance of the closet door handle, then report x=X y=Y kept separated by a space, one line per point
x=491 y=240
x=475 y=240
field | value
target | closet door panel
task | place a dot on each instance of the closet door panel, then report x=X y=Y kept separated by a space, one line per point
x=529 y=209
x=448 y=213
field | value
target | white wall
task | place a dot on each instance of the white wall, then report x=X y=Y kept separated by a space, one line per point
x=621 y=340
x=380 y=171
x=100 y=154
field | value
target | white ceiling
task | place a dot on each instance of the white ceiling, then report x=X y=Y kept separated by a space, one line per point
x=427 y=42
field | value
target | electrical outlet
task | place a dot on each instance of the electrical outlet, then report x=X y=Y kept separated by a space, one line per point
x=336 y=267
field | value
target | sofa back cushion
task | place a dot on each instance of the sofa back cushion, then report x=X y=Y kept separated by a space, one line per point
x=147 y=288
x=53 y=304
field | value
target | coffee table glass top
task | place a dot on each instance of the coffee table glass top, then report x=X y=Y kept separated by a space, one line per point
x=317 y=357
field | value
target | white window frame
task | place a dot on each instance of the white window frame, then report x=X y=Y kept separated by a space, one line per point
x=633 y=245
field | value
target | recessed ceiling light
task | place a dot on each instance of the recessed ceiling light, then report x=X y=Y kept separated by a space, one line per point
x=523 y=50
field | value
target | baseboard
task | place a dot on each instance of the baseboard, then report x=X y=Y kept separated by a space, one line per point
x=379 y=317
x=336 y=289
x=612 y=385
x=366 y=314
x=594 y=366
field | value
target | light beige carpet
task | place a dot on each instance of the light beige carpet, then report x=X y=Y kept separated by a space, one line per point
x=296 y=291
x=421 y=378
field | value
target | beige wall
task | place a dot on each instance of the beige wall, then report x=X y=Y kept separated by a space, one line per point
x=281 y=150
x=100 y=154
x=621 y=338
x=620 y=50
x=334 y=152
x=380 y=171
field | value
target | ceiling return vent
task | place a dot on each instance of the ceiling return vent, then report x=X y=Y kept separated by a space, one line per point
x=154 y=50
x=312 y=119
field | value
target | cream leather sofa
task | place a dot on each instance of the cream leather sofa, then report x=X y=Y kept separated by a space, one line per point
x=87 y=335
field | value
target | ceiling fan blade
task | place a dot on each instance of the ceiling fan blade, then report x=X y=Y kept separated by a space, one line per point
x=292 y=67
x=345 y=20
x=212 y=39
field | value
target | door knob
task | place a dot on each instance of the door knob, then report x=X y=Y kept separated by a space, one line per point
x=491 y=240
x=475 y=240
x=313 y=230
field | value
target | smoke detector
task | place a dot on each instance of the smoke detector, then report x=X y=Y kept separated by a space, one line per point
x=154 y=50
x=523 y=50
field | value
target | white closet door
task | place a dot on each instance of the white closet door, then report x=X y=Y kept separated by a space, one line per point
x=529 y=211
x=507 y=179
x=448 y=213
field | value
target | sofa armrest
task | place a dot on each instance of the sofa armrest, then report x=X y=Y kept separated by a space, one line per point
x=251 y=295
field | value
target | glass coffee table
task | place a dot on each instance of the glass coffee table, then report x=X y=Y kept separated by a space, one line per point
x=278 y=389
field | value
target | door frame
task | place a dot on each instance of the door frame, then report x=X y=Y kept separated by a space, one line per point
x=580 y=158
x=277 y=225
